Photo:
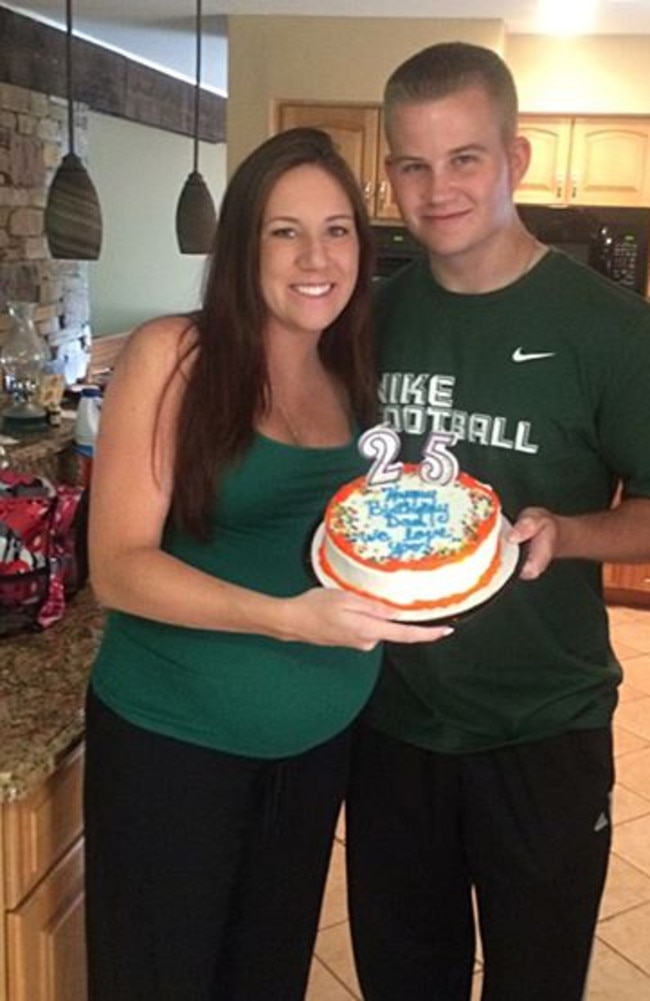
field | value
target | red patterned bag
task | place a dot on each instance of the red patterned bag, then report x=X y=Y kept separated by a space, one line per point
x=42 y=550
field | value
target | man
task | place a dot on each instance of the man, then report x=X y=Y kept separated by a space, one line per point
x=485 y=763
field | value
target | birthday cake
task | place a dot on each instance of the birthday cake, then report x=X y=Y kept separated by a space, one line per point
x=412 y=543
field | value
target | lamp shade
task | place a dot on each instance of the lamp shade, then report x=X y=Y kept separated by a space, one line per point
x=73 y=218
x=196 y=218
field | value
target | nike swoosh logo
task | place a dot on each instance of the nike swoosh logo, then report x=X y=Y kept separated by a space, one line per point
x=519 y=355
x=601 y=823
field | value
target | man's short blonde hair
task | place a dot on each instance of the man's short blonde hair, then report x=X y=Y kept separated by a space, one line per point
x=448 y=67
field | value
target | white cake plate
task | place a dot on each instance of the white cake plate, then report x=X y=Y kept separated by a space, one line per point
x=510 y=555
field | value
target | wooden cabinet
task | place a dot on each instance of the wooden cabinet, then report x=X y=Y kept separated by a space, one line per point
x=627 y=583
x=590 y=160
x=545 y=180
x=586 y=161
x=358 y=134
x=43 y=889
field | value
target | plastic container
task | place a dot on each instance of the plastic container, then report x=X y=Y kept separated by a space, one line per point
x=86 y=428
x=88 y=415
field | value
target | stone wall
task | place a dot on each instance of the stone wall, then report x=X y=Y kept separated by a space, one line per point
x=33 y=139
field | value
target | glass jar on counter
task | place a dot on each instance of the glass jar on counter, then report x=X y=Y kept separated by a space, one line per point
x=23 y=357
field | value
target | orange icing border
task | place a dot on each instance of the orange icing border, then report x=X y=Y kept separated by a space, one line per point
x=428 y=563
x=452 y=599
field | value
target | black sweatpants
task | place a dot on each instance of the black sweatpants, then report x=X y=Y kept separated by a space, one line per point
x=204 y=871
x=527 y=827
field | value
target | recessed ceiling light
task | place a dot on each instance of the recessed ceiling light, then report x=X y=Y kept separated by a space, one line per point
x=557 y=17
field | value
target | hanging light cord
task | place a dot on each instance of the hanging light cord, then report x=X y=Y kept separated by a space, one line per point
x=68 y=67
x=197 y=89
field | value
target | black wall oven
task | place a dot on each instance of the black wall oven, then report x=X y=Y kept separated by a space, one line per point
x=613 y=241
x=394 y=247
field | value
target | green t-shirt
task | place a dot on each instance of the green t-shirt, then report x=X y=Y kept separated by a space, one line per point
x=245 y=694
x=547 y=384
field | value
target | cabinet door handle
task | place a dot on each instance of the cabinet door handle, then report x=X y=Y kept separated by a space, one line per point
x=368 y=189
x=574 y=186
x=559 y=185
x=383 y=194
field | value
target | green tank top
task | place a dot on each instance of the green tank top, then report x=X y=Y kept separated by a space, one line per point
x=245 y=694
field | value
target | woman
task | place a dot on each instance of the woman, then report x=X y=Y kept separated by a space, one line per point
x=221 y=701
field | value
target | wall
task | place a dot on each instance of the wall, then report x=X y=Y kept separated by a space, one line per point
x=139 y=173
x=137 y=144
x=348 y=59
x=32 y=129
x=594 y=75
x=325 y=58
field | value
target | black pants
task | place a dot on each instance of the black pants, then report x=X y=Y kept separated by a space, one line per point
x=204 y=871
x=527 y=828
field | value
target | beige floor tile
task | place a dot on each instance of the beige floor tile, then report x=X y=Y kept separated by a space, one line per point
x=625 y=742
x=335 y=910
x=634 y=634
x=635 y=717
x=633 y=771
x=626 y=888
x=627 y=805
x=627 y=693
x=334 y=949
x=623 y=651
x=637 y=673
x=632 y=842
x=629 y=935
x=614 y=978
x=621 y=613
x=611 y=978
x=325 y=987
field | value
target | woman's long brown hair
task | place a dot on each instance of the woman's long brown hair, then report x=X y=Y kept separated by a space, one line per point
x=228 y=382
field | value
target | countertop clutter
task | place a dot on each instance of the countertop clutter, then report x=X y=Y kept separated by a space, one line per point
x=43 y=675
x=43 y=678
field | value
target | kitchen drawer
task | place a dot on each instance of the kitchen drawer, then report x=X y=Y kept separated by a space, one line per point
x=41 y=827
x=627 y=583
x=46 y=954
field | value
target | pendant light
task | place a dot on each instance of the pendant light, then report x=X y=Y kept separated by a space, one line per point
x=196 y=218
x=73 y=218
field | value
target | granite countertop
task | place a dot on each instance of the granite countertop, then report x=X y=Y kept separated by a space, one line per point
x=39 y=453
x=43 y=679
x=43 y=675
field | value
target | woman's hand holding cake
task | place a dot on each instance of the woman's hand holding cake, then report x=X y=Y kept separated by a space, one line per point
x=340 y=618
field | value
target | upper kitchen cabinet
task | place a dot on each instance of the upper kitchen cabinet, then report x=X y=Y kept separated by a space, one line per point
x=586 y=161
x=358 y=134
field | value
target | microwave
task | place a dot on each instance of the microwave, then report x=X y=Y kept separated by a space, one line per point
x=613 y=241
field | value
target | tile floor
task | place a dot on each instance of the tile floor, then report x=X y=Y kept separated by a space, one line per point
x=620 y=969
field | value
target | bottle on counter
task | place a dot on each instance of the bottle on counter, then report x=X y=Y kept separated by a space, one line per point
x=86 y=428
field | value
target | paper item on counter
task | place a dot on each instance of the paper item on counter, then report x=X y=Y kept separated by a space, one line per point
x=71 y=348
x=51 y=390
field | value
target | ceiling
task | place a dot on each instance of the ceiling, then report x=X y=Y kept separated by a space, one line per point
x=613 y=16
x=161 y=32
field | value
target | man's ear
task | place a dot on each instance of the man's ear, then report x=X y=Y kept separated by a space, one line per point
x=519 y=153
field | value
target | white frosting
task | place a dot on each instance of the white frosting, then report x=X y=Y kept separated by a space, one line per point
x=410 y=541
